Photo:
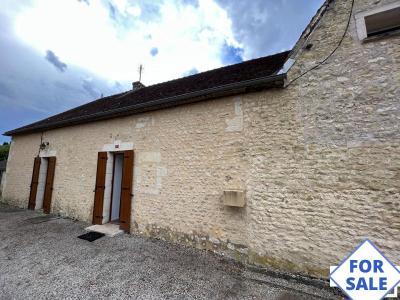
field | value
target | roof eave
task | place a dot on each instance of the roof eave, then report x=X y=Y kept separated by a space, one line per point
x=274 y=81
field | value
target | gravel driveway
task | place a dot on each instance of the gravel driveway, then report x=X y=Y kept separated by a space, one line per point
x=42 y=258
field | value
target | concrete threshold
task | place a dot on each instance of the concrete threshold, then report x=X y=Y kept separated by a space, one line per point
x=108 y=229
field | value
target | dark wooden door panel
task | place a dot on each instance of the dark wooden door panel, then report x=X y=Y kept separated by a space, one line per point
x=100 y=187
x=48 y=190
x=126 y=192
x=34 y=183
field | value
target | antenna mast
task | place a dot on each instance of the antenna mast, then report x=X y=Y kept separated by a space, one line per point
x=140 y=70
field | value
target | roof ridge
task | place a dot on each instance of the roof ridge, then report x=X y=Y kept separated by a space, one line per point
x=257 y=73
x=220 y=68
x=122 y=94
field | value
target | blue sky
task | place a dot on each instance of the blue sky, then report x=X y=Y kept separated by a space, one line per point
x=55 y=55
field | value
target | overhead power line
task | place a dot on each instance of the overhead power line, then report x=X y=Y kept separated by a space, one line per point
x=333 y=52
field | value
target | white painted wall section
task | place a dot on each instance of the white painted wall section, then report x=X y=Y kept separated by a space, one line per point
x=41 y=183
x=116 y=196
x=107 y=190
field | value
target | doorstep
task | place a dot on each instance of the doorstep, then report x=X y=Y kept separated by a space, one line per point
x=108 y=229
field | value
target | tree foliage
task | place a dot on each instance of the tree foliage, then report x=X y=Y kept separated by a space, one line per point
x=4 y=149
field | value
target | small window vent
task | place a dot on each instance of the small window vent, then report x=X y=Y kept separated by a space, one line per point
x=234 y=198
x=383 y=22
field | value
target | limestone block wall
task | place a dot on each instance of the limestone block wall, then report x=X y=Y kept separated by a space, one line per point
x=185 y=158
x=325 y=154
x=19 y=169
x=2 y=183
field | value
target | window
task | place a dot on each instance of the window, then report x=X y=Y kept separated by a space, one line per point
x=378 y=21
x=383 y=22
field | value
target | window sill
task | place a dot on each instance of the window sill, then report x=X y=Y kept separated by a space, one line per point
x=381 y=36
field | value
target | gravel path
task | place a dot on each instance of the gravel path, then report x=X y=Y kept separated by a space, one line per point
x=42 y=258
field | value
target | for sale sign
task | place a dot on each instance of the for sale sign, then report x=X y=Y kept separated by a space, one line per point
x=366 y=274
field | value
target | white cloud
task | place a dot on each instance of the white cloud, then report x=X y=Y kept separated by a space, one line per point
x=187 y=37
x=97 y=45
x=266 y=27
x=134 y=11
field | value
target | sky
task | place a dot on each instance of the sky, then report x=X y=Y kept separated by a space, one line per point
x=55 y=55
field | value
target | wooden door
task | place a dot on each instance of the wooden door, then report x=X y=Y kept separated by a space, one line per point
x=126 y=192
x=100 y=187
x=34 y=183
x=48 y=190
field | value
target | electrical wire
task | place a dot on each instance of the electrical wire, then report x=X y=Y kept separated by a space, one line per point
x=41 y=141
x=333 y=52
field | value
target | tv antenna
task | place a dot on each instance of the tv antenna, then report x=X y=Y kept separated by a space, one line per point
x=140 y=71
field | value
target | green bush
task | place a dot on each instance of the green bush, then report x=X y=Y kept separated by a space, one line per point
x=4 y=149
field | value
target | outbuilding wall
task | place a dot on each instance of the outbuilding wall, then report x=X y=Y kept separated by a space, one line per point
x=325 y=158
x=185 y=158
x=319 y=161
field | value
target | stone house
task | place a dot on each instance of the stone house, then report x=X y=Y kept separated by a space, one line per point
x=285 y=161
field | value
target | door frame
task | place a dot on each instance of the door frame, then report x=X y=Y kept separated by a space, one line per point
x=127 y=175
x=49 y=183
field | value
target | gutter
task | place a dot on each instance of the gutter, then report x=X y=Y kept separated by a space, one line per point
x=241 y=87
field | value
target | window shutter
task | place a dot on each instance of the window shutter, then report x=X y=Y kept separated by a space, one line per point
x=126 y=192
x=34 y=183
x=48 y=191
x=99 y=188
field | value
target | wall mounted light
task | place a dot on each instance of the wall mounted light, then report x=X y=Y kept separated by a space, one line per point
x=44 y=145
